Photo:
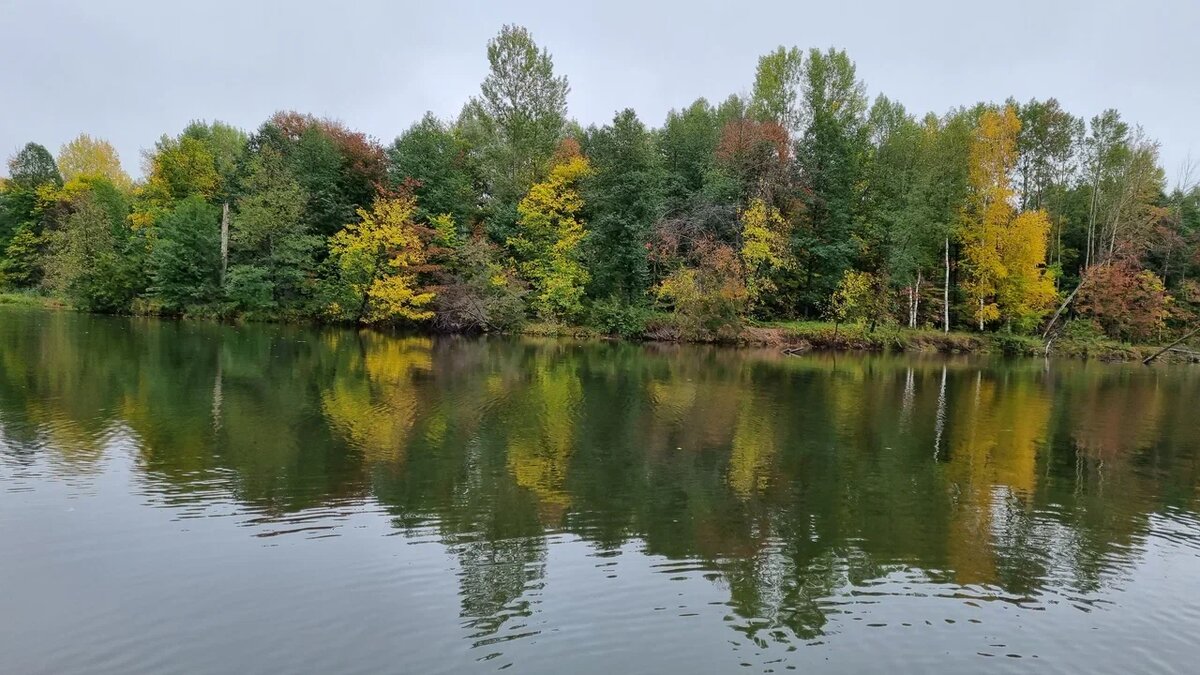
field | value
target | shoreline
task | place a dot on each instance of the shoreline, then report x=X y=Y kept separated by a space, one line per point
x=816 y=337
x=792 y=338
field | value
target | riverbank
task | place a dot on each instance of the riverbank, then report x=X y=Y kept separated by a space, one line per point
x=27 y=299
x=796 y=337
x=803 y=336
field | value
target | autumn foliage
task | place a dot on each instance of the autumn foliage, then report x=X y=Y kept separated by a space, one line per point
x=1127 y=303
x=806 y=198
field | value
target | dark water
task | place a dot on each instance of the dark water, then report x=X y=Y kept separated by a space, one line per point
x=191 y=498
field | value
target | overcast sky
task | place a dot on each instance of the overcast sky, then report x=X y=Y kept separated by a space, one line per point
x=129 y=71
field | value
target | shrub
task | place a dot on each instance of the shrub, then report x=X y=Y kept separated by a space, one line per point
x=616 y=317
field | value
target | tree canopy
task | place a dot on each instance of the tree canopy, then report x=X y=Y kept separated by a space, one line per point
x=804 y=199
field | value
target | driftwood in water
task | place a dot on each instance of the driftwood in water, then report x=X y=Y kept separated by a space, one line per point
x=1181 y=350
x=1164 y=350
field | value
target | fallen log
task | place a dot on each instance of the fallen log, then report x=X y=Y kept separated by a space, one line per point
x=1164 y=350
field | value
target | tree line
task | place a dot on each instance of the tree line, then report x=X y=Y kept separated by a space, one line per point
x=803 y=199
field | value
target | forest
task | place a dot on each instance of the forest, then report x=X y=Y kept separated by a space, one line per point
x=802 y=200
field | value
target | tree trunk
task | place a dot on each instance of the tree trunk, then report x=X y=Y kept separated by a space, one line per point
x=224 y=241
x=946 y=292
x=1062 y=307
x=916 y=300
x=1087 y=258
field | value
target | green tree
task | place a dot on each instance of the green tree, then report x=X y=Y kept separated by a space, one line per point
x=776 y=86
x=523 y=105
x=430 y=154
x=33 y=173
x=624 y=197
x=830 y=161
x=1047 y=152
x=272 y=249
x=185 y=262
x=337 y=168
x=687 y=143
x=21 y=266
x=90 y=258
x=32 y=167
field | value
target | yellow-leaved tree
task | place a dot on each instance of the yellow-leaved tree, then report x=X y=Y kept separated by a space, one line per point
x=549 y=232
x=764 y=247
x=1004 y=252
x=377 y=261
x=91 y=157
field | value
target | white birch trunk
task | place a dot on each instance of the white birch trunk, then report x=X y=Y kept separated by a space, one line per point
x=224 y=241
x=946 y=292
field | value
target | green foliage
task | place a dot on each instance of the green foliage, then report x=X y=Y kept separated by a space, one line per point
x=18 y=206
x=1083 y=331
x=270 y=241
x=185 y=262
x=830 y=162
x=1010 y=344
x=93 y=258
x=776 y=84
x=337 y=168
x=431 y=155
x=796 y=200
x=623 y=197
x=32 y=167
x=22 y=263
x=614 y=316
x=686 y=143
x=522 y=109
x=250 y=288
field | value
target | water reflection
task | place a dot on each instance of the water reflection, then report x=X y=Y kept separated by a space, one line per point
x=803 y=488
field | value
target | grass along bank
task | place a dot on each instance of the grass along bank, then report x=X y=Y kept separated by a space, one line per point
x=24 y=298
x=802 y=336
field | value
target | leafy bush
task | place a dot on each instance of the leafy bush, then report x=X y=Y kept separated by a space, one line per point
x=1011 y=344
x=615 y=317
x=483 y=295
x=709 y=299
x=1082 y=330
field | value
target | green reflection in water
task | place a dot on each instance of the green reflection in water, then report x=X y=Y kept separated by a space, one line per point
x=784 y=478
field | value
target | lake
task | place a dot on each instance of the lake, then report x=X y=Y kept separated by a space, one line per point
x=185 y=497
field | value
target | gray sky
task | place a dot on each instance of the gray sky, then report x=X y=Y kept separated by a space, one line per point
x=129 y=71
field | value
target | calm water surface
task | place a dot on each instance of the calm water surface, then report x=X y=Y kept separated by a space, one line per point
x=193 y=498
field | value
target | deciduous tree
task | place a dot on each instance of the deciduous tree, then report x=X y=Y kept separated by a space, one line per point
x=548 y=238
x=624 y=196
x=87 y=156
x=377 y=261
x=524 y=105
x=1004 y=252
